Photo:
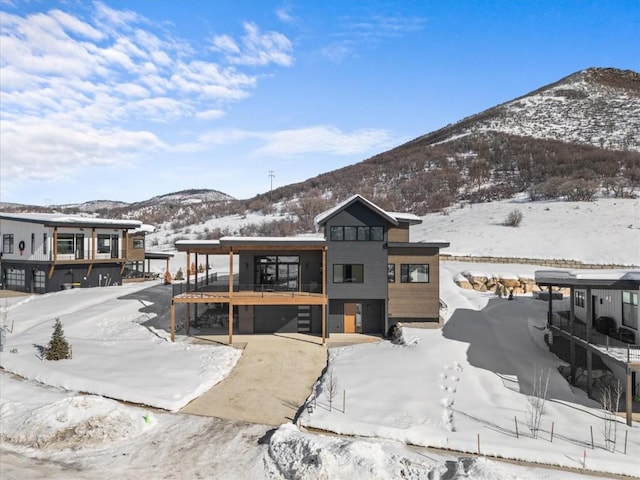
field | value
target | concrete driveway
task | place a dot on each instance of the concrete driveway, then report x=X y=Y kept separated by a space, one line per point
x=272 y=379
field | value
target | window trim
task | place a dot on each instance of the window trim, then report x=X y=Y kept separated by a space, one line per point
x=405 y=272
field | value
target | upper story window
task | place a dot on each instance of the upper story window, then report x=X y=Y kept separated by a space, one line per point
x=104 y=243
x=630 y=309
x=414 y=273
x=138 y=243
x=347 y=273
x=45 y=242
x=7 y=243
x=71 y=243
x=356 y=234
x=33 y=243
x=579 y=299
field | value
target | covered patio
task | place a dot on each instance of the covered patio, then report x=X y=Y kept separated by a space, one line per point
x=613 y=344
x=227 y=293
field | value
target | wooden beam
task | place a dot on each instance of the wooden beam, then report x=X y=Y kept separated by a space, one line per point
x=55 y=245
x=187 y=309
x=89 y=269
x=122 y=265
x=173 y=321
x=230 y=296
x=126 y=244
x=324 y=324
x=94 y=242
x=51 y=269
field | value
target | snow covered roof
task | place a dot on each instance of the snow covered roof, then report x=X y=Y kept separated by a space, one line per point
x=392 y=217
x=618 y=279
x=300 y=241
x=59 y=219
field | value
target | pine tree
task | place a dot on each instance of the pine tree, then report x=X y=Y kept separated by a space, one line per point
x=167 y=277
x=179 y=274
x=58 y=348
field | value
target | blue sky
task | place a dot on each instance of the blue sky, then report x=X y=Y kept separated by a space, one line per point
x=124 y=100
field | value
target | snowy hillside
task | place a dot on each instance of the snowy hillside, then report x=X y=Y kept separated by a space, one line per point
x=577 y=109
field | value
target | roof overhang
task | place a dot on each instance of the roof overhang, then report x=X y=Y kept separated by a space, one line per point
x=157 y=255
x=604 y=279
x=418 y=244
x=228 y=244
x=325 y=216
x=70 y=221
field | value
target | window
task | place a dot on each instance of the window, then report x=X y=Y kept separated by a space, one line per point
x=337 y=234
x=347 y=273
x=579 y=299
x=138 y=243
x=359 y=234
x=39 y=281
x=45 y=242
x=277 y=272
x=71 y=243
x=7 y=243
x=33 y=243
x=104 y=243
x=630 y=309
x=391 y=273
x=414 y=273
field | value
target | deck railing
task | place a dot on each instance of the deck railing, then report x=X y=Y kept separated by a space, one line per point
x=261 y=289
x=615 y=348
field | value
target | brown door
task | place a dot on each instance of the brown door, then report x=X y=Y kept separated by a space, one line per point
x=350 y=318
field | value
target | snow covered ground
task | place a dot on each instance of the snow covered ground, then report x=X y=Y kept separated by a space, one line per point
x=444 y=388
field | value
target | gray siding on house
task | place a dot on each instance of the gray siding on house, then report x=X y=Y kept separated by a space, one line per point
x=371 y=254
x=283 y=318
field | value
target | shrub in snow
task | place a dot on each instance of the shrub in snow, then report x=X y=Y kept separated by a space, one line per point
x=179 y=274
x=513 y=218
x=58 y=348
x=395 y=334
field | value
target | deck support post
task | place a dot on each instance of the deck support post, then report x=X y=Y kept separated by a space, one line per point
x=173 y=321
x=572 y=342
x=629 y=397
x=588 y=320
x=231 y=296
x=187 y=306
x=550 y=313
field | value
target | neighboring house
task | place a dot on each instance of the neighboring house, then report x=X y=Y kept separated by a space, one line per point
x=603 y=318
x=363 y=268
x=49 y=252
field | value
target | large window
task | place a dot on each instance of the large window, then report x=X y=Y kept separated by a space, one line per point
x=7 y=243
x=414 y=273
x=348 y=273
x=71 y=243
x=104 y=243
x=579 y=299
x=630 y=309
x=277 y=272
x=39 y=281
x=356 y=234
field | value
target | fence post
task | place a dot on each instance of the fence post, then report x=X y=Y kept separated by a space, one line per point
x=552 y=425
x=478 y=444
x=516 y=420
x=592 y=446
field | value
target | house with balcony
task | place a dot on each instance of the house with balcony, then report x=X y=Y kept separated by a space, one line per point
x=360 y=274
x=44 y=252
x=603 y=319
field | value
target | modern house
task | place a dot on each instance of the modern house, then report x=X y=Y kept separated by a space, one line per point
x=603 y=318
x=47 y=252
x=361 y=275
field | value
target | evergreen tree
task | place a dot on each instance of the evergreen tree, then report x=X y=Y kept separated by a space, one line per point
x=58 y=348
x=179 y=274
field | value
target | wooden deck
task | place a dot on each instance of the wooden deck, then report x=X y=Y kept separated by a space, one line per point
x=253 y=298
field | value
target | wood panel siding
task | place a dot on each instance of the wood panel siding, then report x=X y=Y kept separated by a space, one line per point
x=399 y=233
x=419 y=301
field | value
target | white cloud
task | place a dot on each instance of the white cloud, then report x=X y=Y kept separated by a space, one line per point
x=299 y=141
x=257 y=48
x=75 y=87
x=284 y=15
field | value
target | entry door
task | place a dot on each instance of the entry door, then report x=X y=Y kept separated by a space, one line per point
x=350 y=310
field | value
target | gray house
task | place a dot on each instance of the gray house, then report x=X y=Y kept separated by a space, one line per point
x=363 y=268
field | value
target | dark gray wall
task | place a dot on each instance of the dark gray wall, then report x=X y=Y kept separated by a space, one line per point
x=373 y=315
x=283 y=318
x=371 y=254
x=66 y=274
